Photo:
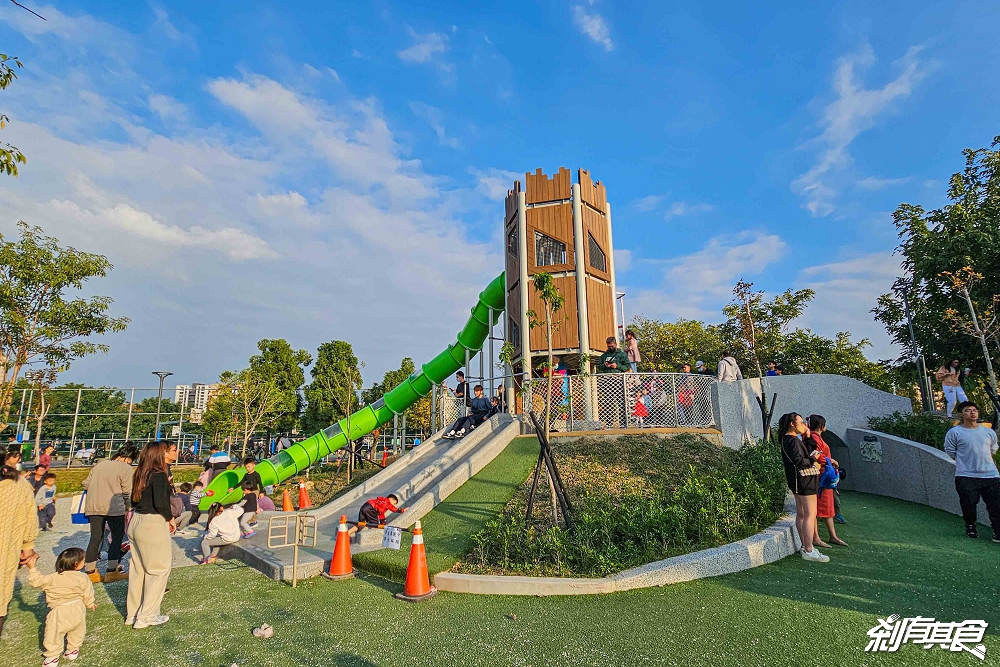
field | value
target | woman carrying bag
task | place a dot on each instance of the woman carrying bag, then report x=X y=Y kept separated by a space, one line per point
x=109 y=491
x=802 y=476
x=824 y=502
x=149 y=532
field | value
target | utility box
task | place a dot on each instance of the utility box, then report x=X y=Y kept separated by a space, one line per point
x=562 y=227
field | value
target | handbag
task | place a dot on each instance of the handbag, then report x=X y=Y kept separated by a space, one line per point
x=77 y=506
x=829 y=478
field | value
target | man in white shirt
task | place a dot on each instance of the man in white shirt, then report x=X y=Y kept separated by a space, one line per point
x=972 y=446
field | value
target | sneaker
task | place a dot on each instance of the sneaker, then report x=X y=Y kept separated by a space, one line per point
x=839 y=518
x=249 y=534
x=970 y=531
x=50 y=662
x=461 y=432
x=156 y=620
x=71 y=655
x=449 y=434
x=815 y=555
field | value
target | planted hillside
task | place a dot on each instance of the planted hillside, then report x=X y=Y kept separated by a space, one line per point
x=636 y=499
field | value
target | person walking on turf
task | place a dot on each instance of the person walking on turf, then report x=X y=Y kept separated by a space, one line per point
x=972 y=446
x=149 y=533
x=69 y=593
x=109 y=497
x=18 y=530
x=802 y=477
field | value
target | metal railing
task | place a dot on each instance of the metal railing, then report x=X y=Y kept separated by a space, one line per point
x=623 y=400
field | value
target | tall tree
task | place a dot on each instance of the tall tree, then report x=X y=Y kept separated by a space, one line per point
x=552 y=302
x=41 y=322
x=10 y=157
x=278 y=361
x=336 y=380
x=964 y=234
x=418 y=414
x=666 y=346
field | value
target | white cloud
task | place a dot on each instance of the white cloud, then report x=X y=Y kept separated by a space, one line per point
x=434 y=118
x=73 y=28
x=846 y=291
x=494 y=183
x=167 y=108
x=872 y=183
x=164 y=24
x=854 y=110
x=594 y=26
x=679 y=208
x=648 y=203
x=623 y=260
x=424 y=47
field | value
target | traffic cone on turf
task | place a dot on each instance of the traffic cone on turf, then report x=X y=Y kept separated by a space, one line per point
x=286 y=502
x=340 y=564
x=304 y=502
x=418 y=583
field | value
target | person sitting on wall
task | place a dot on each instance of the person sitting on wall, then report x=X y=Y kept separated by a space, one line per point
x=613 y=360
x=481 y=409
x=972 y=446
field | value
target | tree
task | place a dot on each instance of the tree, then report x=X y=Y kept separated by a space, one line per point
x=981 y=325
x=418 y=415
x=553 y=302
x=41 y=380
x=666 y=346
x=278 y=361
x=964 y=234
x=40 y=323
x=257 y=400
x=756 y=328
x=336 y=379
x=10 y=157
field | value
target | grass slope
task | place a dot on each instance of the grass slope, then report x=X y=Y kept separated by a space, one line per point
x=449 y=526
x=903 y=559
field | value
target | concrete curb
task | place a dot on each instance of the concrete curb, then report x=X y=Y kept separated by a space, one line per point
x=769 y=545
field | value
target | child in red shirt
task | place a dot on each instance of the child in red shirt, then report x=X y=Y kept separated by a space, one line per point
x=373 y=512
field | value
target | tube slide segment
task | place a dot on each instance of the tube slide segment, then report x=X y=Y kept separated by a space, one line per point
x=225 y=486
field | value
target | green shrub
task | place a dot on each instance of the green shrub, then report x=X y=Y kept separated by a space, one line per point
x=610 y=534
x=924 y=428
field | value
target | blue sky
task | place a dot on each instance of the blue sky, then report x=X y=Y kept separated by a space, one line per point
x=336 y=170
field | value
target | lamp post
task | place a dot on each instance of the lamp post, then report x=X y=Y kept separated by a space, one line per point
x=162 y=375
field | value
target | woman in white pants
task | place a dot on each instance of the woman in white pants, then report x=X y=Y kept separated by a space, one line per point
x=951 y=378
x=149 y=534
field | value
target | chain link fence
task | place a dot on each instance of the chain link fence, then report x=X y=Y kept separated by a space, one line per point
x=624 y=400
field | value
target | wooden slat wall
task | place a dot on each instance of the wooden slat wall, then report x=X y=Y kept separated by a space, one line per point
x=540 y=188
x=557 y=222
x=600 y=314
x=511 y=266
x=593 y=193
x=596 y=224
x=510 y=202
x=514 y=308
x=567 y=335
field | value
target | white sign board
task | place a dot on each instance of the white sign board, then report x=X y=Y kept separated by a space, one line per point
x=391 y=537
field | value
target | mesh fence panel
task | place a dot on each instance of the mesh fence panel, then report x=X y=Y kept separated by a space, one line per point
x=624 y=400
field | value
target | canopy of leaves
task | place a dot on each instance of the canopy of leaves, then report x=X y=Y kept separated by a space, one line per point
x=40 y=322
x=964 y=233
x=10 y=157
x=336 y=379
x=279 y=362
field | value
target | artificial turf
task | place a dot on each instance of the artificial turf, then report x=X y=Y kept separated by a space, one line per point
x=904 y=559
x=450 y=525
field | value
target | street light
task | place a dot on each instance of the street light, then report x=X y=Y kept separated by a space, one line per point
x=162 y=375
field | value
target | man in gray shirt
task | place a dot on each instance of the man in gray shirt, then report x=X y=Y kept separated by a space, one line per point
x=972 y=447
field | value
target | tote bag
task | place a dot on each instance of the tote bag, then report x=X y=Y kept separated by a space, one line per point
x=77 y=506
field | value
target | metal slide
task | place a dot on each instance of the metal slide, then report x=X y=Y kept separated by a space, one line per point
x=301 y=455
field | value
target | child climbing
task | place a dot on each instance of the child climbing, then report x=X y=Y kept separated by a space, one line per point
x=68 y=593
x=373 y=512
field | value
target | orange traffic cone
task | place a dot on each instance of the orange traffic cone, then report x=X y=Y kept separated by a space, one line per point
x=418 y=583
x=385 y=457
x=340 y=564
x=304 y=502
x=286 y=502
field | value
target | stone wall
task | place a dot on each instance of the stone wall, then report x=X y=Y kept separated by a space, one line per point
x=887 y=465
x=845 y=402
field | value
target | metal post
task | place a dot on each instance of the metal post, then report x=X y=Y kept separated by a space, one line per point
x=111 y=444
x=434 y=396
x=395 y=429
x=295 y=554
x=19 y=411
x=673 y=389
x=465 y=399
x=569 y=386
x=162 y=375
x=493 y=389
x=31 y=396
x=180 y=425
x=402 y=443
x=918 y=358
x=131 y=402
x=72 y=438
x=624 y=411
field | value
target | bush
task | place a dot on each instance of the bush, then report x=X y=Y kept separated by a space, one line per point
x=924 y=428
x=611 y=534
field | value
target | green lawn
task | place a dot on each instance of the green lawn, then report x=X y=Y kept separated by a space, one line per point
x=903 y=559
x=70 y=480
x=448 y=527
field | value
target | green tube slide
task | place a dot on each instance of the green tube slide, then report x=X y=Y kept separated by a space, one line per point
x=224 y=487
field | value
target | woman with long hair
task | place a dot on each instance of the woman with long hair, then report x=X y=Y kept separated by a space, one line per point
x=951 y=376
x=824 y=500
x=802 y=476
x=109 y=493
x=149 y=534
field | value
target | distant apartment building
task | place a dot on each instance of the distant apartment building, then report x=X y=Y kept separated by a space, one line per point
x=195 y=398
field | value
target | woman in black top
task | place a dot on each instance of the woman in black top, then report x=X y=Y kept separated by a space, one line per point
x=149 y=533
x=802 y=476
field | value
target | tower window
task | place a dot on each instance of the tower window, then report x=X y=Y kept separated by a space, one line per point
x=514 y=334
x=549 y=251
x=512 y=242
x=598 y=259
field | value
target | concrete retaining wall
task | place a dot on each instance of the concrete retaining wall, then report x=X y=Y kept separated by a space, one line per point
x=887 y=465
x=845 y=402
x=774 y=543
